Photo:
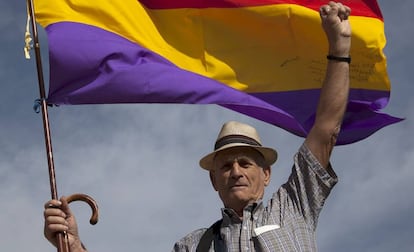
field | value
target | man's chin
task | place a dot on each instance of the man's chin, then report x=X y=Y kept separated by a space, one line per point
x=238 y=194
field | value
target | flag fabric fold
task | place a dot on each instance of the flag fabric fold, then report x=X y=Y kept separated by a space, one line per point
x=262 y=58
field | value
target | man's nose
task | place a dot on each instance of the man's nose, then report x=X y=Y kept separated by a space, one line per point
x=236 y=170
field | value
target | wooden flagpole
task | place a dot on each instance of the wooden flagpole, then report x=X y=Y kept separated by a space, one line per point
x=62 y=241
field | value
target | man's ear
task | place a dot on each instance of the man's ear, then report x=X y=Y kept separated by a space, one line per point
x=213 y=180
x=267 y=173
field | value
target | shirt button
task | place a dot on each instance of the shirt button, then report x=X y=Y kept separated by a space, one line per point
x=246 y=248
x=244 y=227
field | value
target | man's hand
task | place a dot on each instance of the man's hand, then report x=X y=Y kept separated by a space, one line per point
x=334 y=17
x=59 y=219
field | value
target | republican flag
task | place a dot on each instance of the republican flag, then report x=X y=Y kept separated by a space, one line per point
x=263 y=58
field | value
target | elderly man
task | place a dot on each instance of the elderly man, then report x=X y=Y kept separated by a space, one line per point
x=239 y=169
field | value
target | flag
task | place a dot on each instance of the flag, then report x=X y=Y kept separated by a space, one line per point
x=263 y=58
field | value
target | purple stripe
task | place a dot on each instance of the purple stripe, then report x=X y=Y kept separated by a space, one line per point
x=91 y=66
x=361 y=119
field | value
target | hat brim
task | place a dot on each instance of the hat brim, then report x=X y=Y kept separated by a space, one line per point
x=269 y=154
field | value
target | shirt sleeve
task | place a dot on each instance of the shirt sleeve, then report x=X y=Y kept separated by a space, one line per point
x=307 y=188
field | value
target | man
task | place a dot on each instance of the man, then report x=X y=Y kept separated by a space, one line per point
x=239 y=169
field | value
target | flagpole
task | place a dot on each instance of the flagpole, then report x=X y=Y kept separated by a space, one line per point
x=43 y=104
x=62 y=244
x=62 y=240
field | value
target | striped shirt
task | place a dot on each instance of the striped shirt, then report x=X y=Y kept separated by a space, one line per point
x=287 y=223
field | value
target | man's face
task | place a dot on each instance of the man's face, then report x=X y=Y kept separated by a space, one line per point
x=239 y=176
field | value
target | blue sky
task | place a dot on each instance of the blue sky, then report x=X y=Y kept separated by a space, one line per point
x=140 y=162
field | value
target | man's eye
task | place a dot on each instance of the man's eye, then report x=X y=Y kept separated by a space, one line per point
x=245 y=163
x=226 y=167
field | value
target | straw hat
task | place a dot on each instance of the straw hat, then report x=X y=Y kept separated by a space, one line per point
x=236 y=134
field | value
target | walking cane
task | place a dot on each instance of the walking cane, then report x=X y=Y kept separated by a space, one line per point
x=62 y=239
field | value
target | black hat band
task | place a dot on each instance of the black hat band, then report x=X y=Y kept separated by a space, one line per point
x=235 y=139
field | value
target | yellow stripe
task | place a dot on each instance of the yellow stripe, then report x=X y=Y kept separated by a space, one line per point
x=256 y=44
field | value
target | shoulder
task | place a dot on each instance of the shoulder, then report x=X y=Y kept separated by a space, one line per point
x=190 y=241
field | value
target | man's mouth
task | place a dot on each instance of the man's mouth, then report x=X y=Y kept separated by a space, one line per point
x=238 y=186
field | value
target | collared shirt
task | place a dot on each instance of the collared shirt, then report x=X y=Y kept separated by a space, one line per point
x=287 y=223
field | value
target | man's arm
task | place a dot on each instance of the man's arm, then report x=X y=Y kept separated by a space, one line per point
x=334 y=93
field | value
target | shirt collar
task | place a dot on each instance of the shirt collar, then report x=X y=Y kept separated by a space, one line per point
x=230 y=216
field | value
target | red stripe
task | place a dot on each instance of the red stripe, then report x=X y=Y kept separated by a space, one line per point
x=367 y=8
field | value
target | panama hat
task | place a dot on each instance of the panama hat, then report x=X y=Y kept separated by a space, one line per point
x=236 y=134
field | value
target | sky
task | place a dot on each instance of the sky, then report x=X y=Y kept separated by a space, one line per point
x=140 y=161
